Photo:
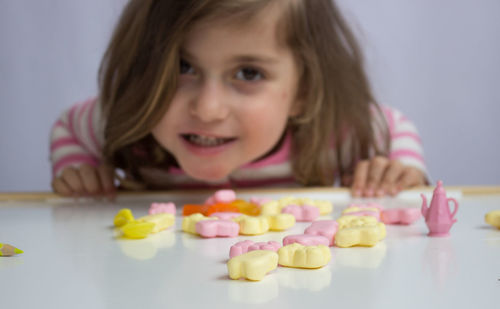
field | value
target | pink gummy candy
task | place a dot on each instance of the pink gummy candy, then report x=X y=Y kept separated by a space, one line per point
x=225 y=215
x=224 y=196
x=210 y=200
x=270 y=245
x=306 y=240
x=375 y=214
x=302 y=213
x=259 y=200
x=240 y=248
x=326 y=228
x=245 y=246
x=217 y=228
x=157 y=208
x=400 y=215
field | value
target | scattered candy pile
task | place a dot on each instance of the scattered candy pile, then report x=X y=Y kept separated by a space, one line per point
x=223 y=215
x=162 y=216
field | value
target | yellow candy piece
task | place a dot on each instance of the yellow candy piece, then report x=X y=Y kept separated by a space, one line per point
x=275 y=207
x=253 y=265
x=247 y=208
x=288 y=200
x=348 y=221
x=123 y=217
x=161 y=221
x=493 y=218
x=281 y=222
x=356 y=209
x=304 y=201
x=270 y=208
x=189 y=222
x=300 y=256
x=325 y=207
x=252 y=225
x=136 y=229
x=367 y=235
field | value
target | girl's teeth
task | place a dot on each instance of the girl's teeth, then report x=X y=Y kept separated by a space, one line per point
x=205 y=140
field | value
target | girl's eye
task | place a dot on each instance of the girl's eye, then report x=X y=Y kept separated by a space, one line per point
x=249 y=74
x=185 y=67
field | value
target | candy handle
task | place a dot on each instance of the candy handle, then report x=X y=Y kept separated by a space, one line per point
x=424 y=207
x=456 y=206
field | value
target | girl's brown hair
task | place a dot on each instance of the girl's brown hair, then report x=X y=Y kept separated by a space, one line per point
x=139 y=71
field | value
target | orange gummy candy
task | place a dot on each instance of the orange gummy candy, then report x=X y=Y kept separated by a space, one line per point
x=190 y=209
x=247 y=208
x=221 y=207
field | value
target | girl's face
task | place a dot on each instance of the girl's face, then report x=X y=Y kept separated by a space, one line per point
x=237 y=88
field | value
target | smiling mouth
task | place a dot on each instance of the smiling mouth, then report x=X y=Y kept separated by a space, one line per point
x=206 y=141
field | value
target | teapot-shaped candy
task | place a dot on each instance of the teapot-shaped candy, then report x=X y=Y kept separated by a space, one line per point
x=437 y=216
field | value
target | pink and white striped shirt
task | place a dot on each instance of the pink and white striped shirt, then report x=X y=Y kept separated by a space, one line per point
x=78 y=136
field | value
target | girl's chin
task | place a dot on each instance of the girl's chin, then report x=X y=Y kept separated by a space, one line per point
x=207 y=175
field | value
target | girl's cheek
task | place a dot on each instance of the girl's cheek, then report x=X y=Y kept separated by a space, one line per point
x=249 y=88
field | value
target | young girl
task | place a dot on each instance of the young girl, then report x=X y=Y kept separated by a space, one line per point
x=233 y=93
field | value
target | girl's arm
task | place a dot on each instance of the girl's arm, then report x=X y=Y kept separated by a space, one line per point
x=75 y=151
x=403 y=168
x=406 y=145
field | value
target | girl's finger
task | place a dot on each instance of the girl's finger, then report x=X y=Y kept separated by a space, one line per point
x=90 y=179
x=107 y=179
x=347 y=179
x=72 y=179
x=378 y=165
x=392 y=174
x=360 y=174
x=410 y=177
x=60 y=187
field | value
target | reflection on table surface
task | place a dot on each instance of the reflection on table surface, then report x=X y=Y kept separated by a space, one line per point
x=75 y=248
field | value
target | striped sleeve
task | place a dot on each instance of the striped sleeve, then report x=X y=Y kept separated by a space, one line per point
x=77 y=137
x=406 y=145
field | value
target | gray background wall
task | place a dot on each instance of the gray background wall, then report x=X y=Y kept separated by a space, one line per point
x=437 y=61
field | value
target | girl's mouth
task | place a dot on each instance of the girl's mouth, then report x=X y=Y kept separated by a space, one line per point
x=206 y=141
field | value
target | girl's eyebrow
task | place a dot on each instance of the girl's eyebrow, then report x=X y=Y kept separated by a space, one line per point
x=254 y=59
x=238 y=58
x=184 y=53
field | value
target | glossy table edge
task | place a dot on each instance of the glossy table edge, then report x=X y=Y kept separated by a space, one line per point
x=42 y=196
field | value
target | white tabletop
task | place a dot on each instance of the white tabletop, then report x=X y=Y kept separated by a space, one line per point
x=73 y=259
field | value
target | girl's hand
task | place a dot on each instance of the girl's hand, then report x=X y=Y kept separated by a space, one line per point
x=85 y=180
x=380 y=176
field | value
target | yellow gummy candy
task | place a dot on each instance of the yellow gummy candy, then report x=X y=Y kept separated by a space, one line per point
x=356 y=209
x=348 y=221
x=281 y=222
x=253 y=265
x=368 y=235
x=288 y=200
x=275 y=207
x=161 y=221
x=252 y=225
x=123 y=217
x=189 y=222
x=325 y=207
x=270 y=208
x=493 y=218
x=300 y=256
x=136 y=229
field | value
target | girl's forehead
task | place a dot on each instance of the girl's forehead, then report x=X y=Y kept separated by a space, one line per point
x=243 y=14
x=259 y=26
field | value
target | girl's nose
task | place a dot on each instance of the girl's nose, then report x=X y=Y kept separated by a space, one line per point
x=209 y=104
